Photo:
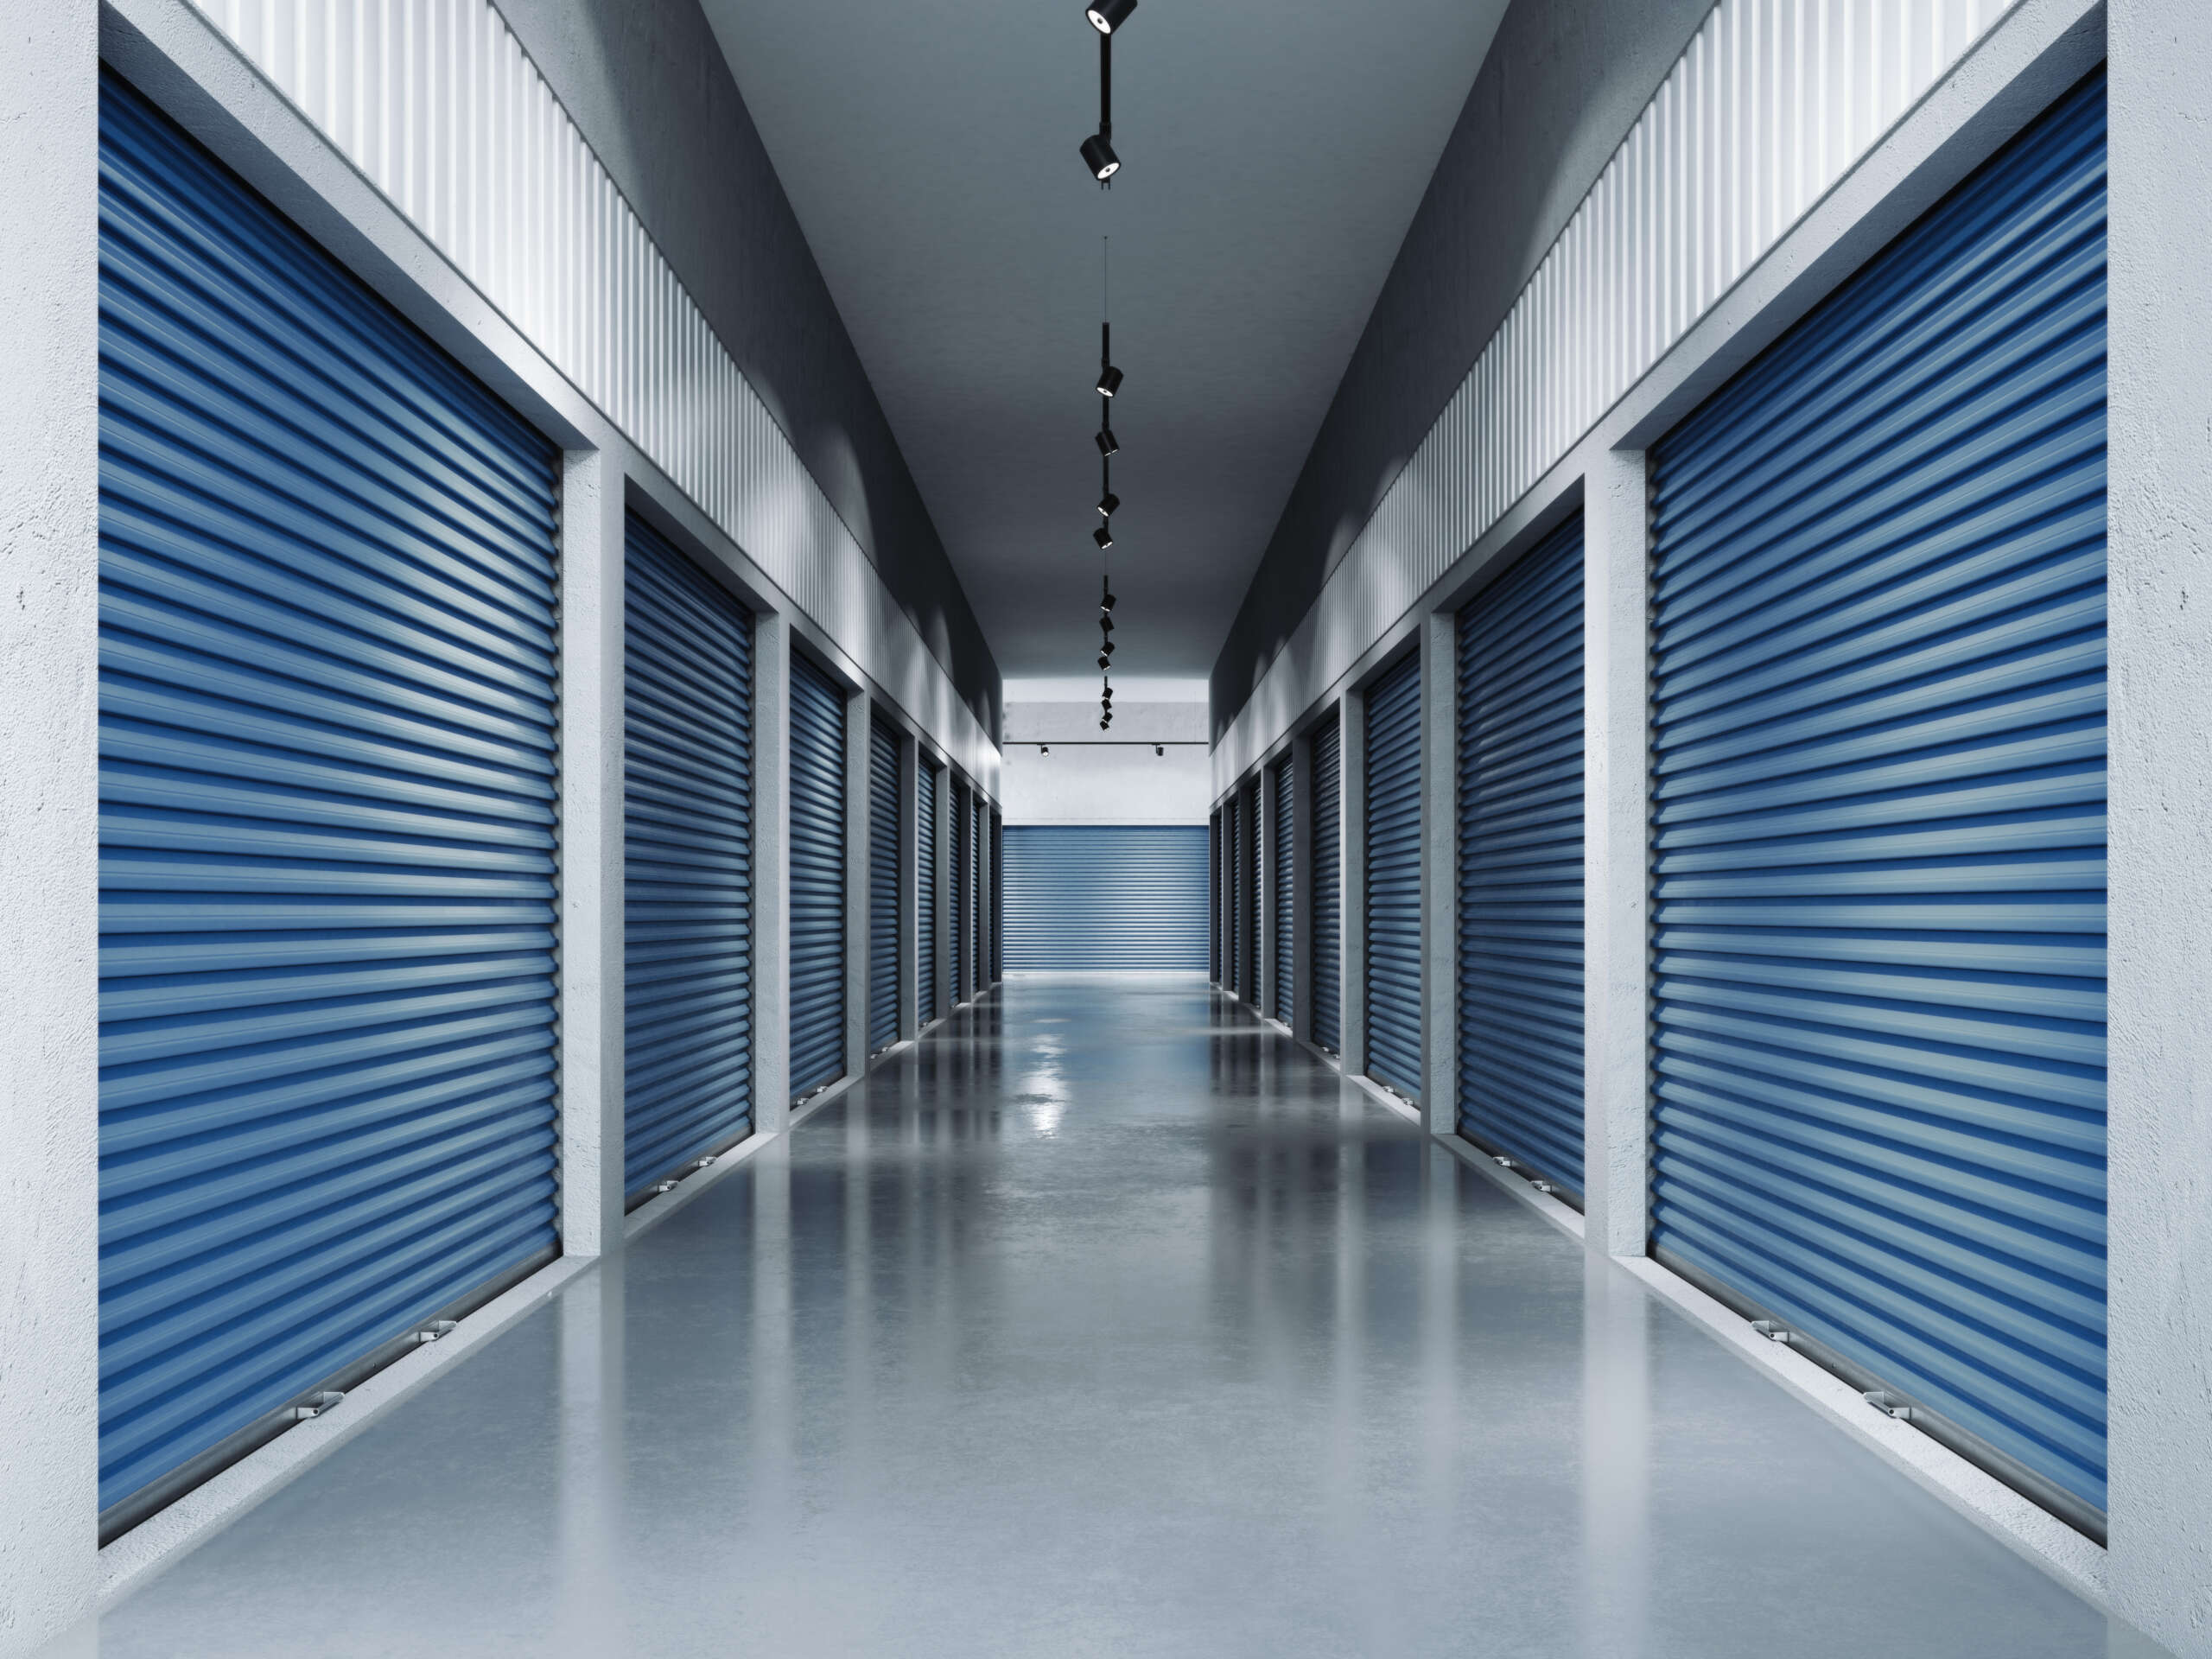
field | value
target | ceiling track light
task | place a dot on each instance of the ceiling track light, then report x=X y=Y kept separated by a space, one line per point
x=1107 y=15
x=1108 y=444
x=1103 y=535
x=1109 y=378
x=1156 y=749
x=1097 y=150
x=1109 y=504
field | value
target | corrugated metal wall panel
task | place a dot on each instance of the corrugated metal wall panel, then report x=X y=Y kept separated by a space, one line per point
x=442 y=112
x=959 y=891
x=327 y=759
x=1520 y=861
x=1233 y=830
x=927 y=782
x=978 y=827
x=817 y=878
x=1213 y=897
x=883 y=887
x=997 y=898
x=687 y=896
x=1392 y=878
x=1328 y=957
x=1101 y=896
x=1286 y=971
x=1880 y=814
x=1768 y=106
x=1255 y=870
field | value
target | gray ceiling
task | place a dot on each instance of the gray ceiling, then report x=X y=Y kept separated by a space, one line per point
x=1273 y=152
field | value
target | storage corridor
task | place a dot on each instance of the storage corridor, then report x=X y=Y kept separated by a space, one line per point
x=1104 y=1320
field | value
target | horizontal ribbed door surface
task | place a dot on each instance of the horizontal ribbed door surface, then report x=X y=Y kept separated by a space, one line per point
x=1105 y=896
x=1255 y=851
x=1326 y=952
x=959 y=891
x=1519 y=858
x=1880 y=800
x=882 y=886
x=687 y=861
x=926 y=784
x=326 y=638
x=818 y=888
x=976 y=830
x=1213 y=896
x=997 y=898
x=1392 y=878
x=1285 y=972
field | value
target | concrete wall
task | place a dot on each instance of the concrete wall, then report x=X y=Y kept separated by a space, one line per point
x=1105 y=777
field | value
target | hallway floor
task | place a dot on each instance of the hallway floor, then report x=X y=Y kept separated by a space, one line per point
x=1103 y=1322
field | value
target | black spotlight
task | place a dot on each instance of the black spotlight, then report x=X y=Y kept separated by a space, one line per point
x=1107 y=646
x=1109 y=504
x=1107 y=15
x=1099 y=156
x=1106 y=602
x=1043 y=748
x=1103 y=535
x=1109 y=381
x=1106 y=623
x=1156 y=749
x=1103 y=659
x=1108 y=444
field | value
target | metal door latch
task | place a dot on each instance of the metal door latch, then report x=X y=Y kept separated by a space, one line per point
x=1772 y=1330
x=315 y=1405
x=1888 y=1404
x=434 y=1330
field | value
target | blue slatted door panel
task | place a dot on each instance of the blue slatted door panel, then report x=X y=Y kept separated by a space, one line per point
x=1519 y=858
x=959 y=891
x=1393 y=878
x=817 y=864
x=1284 y=970
x=982 y=956
x=1327 y=951
x=1253 y=853
x=1213 y=896
x=327 y=635
x=1236 y=894
x=882 y=886
x=1106 y=896
x=687 y=898
x=1879 y=802
x=997 y=898
x=925 y=788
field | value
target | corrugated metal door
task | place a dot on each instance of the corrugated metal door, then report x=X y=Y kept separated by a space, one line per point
x=1878 y=774
x=1237 y=877
x=687 y=894
x=997 y=898
x=883 y=885
x=959 y=891
x=981 y=954
x=925 y=788
x=1327 y=948
x=1255 y=850
x=328 y=615
x=1213 y=896
x=1105 y=896
x=818 y=866
x=1284 y=970
x=1392 y=878
x=1520 y=788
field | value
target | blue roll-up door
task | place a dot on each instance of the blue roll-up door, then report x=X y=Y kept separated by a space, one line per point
x=1255 y=851
x=1213 y=896
x=687 y=896
x=817 y=889
x=976 y=830
x=883 y=828
x=327 y=783
x=1326 y=952
x=1285 y=972
x=997 y=898
x=1392 y=878
x=925 y=788
x=1520 y=789
x=959 y=891
x=1880 y=796
x=1106 y=896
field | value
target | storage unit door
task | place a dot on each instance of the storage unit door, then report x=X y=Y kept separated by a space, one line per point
x=328 y=761
x=998 y=899
x=882 y=886
x=1325 y=927
x=1253 y=874
x=817 y=864
x=1520 y=790
x=1213 y=896
x=1879 y=835
x=1284 y=971
x=959 y=892
x=979 y=955
x=926 y=784
x=687 y=861
x=1393 y=878
x=1100 y=896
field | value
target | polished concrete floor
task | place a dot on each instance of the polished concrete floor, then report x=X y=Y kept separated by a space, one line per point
x=1102 y=1322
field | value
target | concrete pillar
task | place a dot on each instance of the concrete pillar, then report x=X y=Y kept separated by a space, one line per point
x=771 y=874
x=49 y=823
x=911 y=1014
x=1352 y=882
x=1440 y=875
x=1301 y=888
x=2160 y=528
x=591 y=852
x=857 y=824
x=1615 y=862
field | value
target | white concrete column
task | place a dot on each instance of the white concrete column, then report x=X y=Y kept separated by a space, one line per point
x=1616 y=860
x=1352 y=883
x=1439 y=875
x=591 y=852
x=49 y=822
x=2160 y=528
x=1301 y=888
x=772 y=874
x=857 y=825
x=910 y=942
